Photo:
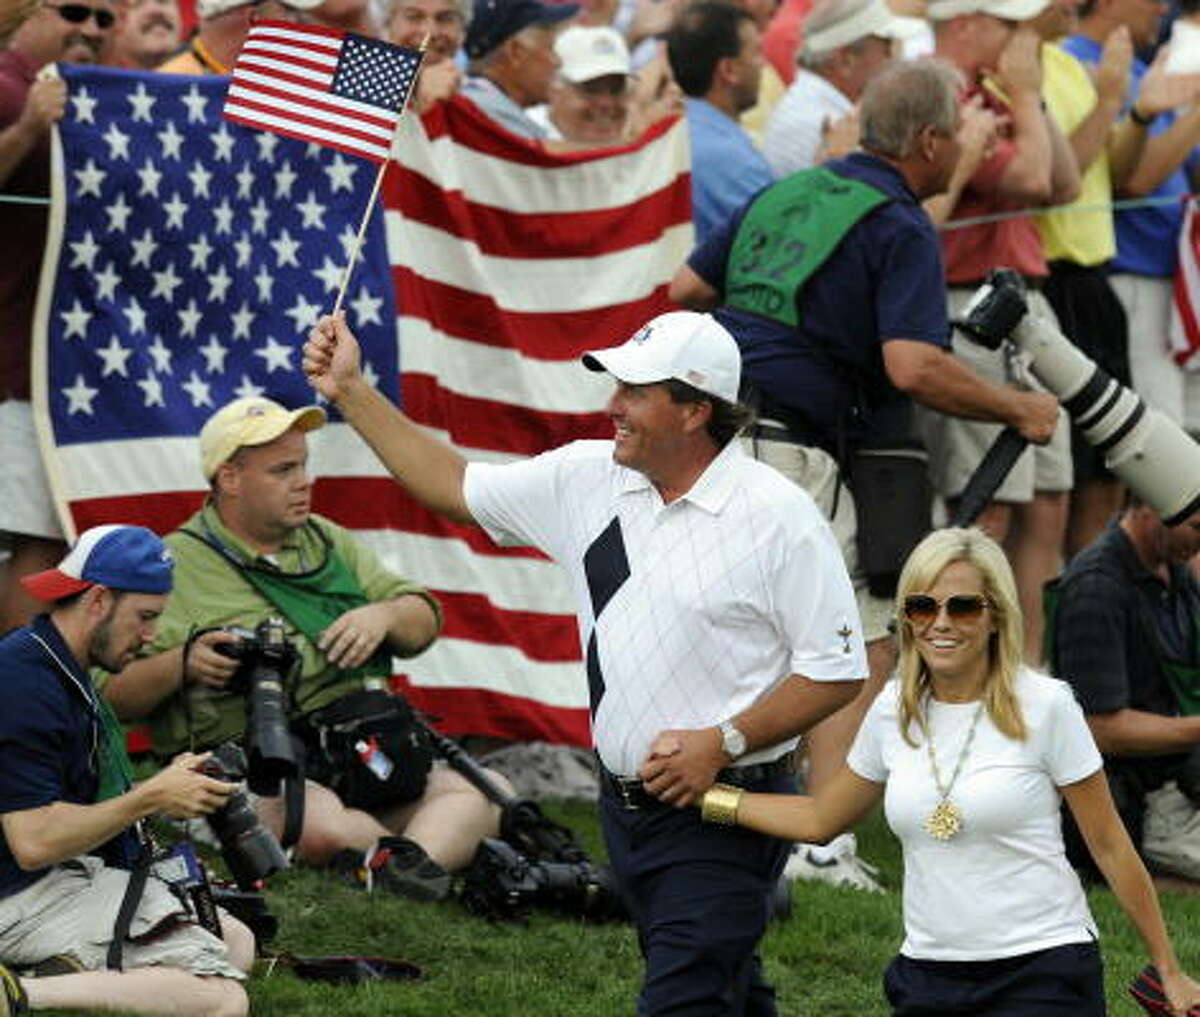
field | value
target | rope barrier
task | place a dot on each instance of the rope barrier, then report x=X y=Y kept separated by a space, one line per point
x=952 y=224
x=1097 y=206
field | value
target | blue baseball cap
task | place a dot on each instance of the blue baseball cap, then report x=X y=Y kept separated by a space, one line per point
x=130 y=558
x=497 y=20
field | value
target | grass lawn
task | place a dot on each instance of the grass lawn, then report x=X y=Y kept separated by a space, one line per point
x=826 y=959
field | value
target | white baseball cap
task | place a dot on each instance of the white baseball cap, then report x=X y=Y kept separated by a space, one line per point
x=1009 y=10
x=834 y=23
x=690 y=347
x=591 y=52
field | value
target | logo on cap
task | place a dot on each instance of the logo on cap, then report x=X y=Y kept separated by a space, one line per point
x=642 y=334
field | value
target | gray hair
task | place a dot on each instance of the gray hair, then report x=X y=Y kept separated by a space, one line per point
x=905 y=98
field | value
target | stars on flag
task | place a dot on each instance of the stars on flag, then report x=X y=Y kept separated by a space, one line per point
x=194 y=256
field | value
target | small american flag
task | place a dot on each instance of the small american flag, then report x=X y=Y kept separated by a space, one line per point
x=317 y=84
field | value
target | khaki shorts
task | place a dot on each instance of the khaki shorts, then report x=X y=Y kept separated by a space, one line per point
x=1161 y=382
x=1171 y=833
x=71 y=910
x=956 y=446
x=816 y=471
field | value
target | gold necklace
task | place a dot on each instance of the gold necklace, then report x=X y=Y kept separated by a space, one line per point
x=946 y=819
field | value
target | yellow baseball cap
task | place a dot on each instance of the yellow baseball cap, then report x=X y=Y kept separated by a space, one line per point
x=253 y=420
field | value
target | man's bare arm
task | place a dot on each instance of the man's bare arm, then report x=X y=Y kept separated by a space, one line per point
x=429 y=469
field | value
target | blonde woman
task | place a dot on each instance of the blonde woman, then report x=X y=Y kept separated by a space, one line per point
x=972 y=753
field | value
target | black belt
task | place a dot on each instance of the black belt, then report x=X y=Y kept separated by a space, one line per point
x=633 y=796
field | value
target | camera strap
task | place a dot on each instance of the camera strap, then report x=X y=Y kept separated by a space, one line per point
x=293 y=802
x=311 y=600
x=129 y=905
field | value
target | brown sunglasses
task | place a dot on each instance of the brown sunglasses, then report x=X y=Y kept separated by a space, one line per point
x=922 y=608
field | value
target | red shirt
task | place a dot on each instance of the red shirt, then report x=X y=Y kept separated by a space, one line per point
x=783 y=36
x=24 y=233
x=973 y=251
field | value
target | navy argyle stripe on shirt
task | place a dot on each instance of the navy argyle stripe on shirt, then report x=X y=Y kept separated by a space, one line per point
x=606 y=567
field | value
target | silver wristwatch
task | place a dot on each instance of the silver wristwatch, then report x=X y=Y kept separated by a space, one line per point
x=732 y=740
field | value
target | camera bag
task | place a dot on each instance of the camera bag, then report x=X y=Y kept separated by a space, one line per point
x=370 y=749
x=893 y=499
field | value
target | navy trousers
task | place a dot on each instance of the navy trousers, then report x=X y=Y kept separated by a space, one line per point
x=700 y=899
x=1062 y=981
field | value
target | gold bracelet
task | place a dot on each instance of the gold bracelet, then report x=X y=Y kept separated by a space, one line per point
x=720 y=804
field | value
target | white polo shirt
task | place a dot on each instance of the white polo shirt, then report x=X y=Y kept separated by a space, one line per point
x=797 y=125
x=697 y=608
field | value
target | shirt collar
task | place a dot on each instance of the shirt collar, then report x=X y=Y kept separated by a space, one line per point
x=212 y=519
x=825 y=91
x=47 y=633
x=1136 y=566
x=880 y=173
x=712 y=488
x=706 y=112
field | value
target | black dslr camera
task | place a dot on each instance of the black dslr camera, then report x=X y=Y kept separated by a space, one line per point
x=266 y=660
x=502 y=883
x=249 y=848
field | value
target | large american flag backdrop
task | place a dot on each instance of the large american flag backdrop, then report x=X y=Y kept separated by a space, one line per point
x=187 y=257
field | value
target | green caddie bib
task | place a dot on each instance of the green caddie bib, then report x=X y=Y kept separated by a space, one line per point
x=787 y=234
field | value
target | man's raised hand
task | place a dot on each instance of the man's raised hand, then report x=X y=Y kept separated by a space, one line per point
x=332 y=358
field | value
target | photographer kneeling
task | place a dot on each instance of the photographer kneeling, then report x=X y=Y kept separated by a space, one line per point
x=69 y=811
x=255 y=552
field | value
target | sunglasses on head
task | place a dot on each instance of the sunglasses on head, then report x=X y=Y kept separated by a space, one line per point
x=921 y=608
x=77 y=14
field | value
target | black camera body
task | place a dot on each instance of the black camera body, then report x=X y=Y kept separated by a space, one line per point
x=249 y=848
x=266 y=660
x=502 y=883
x=996 y=309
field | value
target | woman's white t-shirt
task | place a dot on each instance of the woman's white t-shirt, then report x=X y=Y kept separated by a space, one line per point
x=1002 y=885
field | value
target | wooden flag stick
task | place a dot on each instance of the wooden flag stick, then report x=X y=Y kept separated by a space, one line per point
x=356 y=250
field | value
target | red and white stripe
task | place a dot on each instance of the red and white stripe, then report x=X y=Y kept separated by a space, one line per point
x=281 y=82
x=509 y=262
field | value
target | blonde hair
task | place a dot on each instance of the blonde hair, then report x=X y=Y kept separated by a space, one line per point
x=927 y=561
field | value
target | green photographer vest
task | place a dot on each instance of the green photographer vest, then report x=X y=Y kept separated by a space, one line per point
x=311 y=601
x=788 y=232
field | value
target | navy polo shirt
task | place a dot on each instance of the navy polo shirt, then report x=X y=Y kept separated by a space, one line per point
x=883 y=281
x=48 y=737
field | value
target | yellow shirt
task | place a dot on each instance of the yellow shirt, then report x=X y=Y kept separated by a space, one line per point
x=1086 y=238
x=770 y=90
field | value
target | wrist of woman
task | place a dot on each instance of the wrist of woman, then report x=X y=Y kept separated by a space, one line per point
x=1165 y=966
x=719 y=804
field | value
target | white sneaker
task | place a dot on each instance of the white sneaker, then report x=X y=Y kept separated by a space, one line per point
x=837 y=863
